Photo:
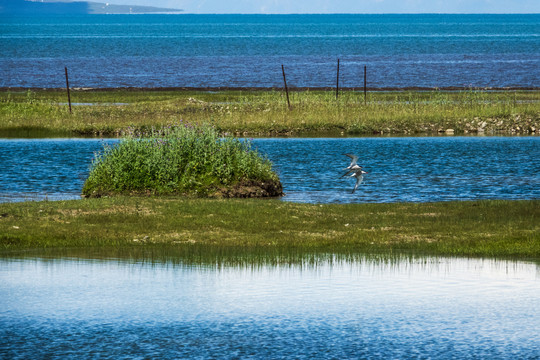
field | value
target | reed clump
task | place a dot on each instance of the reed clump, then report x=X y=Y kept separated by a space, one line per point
x=181 y=159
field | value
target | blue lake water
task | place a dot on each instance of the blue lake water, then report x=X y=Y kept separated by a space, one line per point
x=429 y=50
x=431 y=308
x=408 y=169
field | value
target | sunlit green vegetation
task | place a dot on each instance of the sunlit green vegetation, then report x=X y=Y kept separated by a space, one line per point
x=182 y=159
x=265 y=112
x=215 y=228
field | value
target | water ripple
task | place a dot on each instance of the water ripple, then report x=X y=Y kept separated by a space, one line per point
x=415 y=169
x=432 y=308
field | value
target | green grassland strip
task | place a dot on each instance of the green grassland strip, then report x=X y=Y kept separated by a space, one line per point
x=503 y=229
x=99 y=112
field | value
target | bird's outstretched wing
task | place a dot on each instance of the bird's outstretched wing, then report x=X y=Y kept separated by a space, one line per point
x=354 y=160
x=359 y=175
x=359 y=179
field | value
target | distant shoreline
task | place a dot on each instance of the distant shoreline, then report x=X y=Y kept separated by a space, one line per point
x=63 y=7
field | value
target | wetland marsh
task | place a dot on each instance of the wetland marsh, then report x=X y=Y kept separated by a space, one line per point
x=434 y=195
x=265 y=112
x=436 y=255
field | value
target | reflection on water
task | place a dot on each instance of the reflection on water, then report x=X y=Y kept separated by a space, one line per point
x=410 y=169
x=425 y=307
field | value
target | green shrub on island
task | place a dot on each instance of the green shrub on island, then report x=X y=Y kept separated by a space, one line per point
x=181 y=159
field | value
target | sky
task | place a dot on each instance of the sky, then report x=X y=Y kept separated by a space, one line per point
x=341 y=6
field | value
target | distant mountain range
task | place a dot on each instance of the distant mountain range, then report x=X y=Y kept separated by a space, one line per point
x=39 y=7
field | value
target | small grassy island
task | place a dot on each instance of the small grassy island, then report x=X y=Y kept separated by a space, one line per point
x=182 y=159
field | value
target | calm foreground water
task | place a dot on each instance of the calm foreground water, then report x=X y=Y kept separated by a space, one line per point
x=409 y=169
x=429 y=50
x=425 y=308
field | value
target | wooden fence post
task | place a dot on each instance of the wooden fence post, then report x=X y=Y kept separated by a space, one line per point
x=286 y=89
x=67 y=87
x=337 y=80
x=365 y=85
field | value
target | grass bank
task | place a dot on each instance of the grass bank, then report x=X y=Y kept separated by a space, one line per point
x=258 y=112
x=230 y=227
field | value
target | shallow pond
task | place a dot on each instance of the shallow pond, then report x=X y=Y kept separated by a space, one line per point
x=408 y=308
x=411 y=169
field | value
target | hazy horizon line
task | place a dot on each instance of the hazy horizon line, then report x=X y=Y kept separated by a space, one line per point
x=182 y=12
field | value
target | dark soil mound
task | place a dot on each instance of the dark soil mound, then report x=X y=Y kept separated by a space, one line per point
x=251 y=189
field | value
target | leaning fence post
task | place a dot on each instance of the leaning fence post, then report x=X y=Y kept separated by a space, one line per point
x=337 y=80
x=67 y=87
x=286 y=89
x=365 y=82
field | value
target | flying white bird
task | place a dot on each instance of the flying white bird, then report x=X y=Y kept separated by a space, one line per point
x=355 y=170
